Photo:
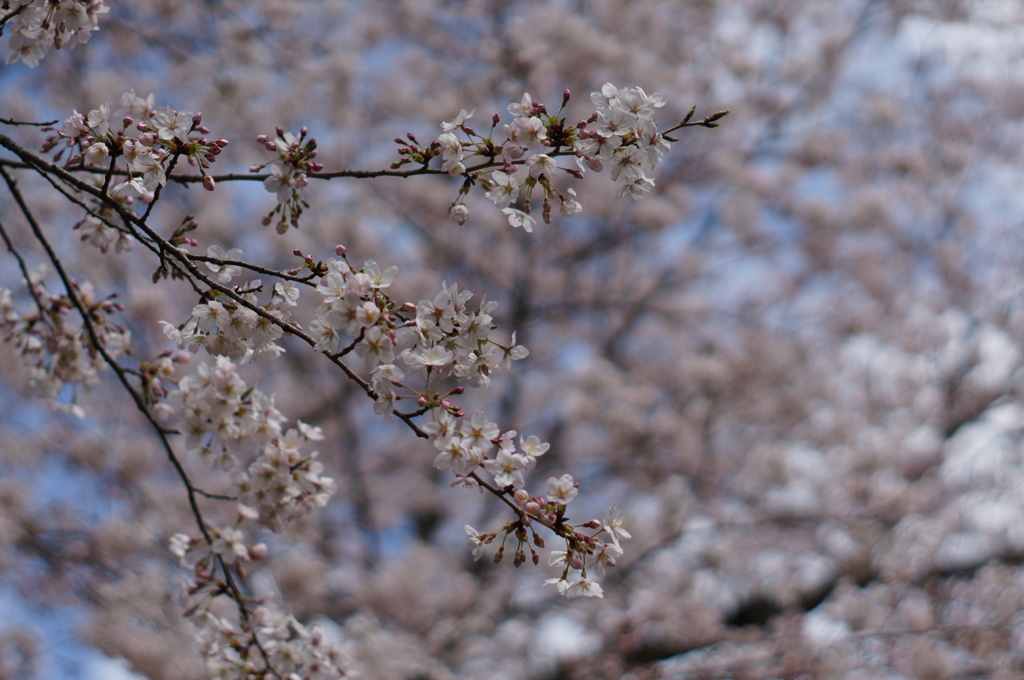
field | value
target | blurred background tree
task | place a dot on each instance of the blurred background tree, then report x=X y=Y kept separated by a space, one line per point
x=794 y=366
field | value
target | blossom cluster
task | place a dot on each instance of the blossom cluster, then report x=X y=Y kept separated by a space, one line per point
x=232 y=427
x=149 y=139
x=407 y=351
x=585 y=556
x=268 y=642
x=621 y=133
x=224 y=327
x=57 y=351
x=238 y=430
x=293 y=650
x=38 y=25
x=464 y=449
x=575 y=581
x=288 y=174
x=438 y=338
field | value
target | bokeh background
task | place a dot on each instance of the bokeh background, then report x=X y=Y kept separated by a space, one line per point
x=795 y=366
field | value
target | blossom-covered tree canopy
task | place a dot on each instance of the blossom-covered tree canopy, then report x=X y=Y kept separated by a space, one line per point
x=527 y=340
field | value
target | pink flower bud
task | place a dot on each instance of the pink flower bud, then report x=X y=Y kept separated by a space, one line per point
x=208 y=183
x=521 y=496
x=340 y=250
x=532 y=507
x=595 y=164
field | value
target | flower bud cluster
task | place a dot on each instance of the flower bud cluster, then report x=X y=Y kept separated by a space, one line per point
x=150 y=140
x=58 y=351
x=37 y=25
x=621 y=133
x=585 y=557
x=288 y=175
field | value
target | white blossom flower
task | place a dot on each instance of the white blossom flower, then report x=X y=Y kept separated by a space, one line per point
x=506 y=189
x=528 y=133
x=99 y=120
x=523 y=108
x=583 y=588
x=637 y=189
x=224 y=272
x=570 y=206
x=458 y=121
x=541 y=164
x=517 y=218
x=97 y=153
x=459 y=213
x=284 y=181
x=171 y=124
x=507 y=469
x=74 y=125
x=229 y=544
x=613 y=525
x=475 y=542
x=287 y=292
x=562 y=490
